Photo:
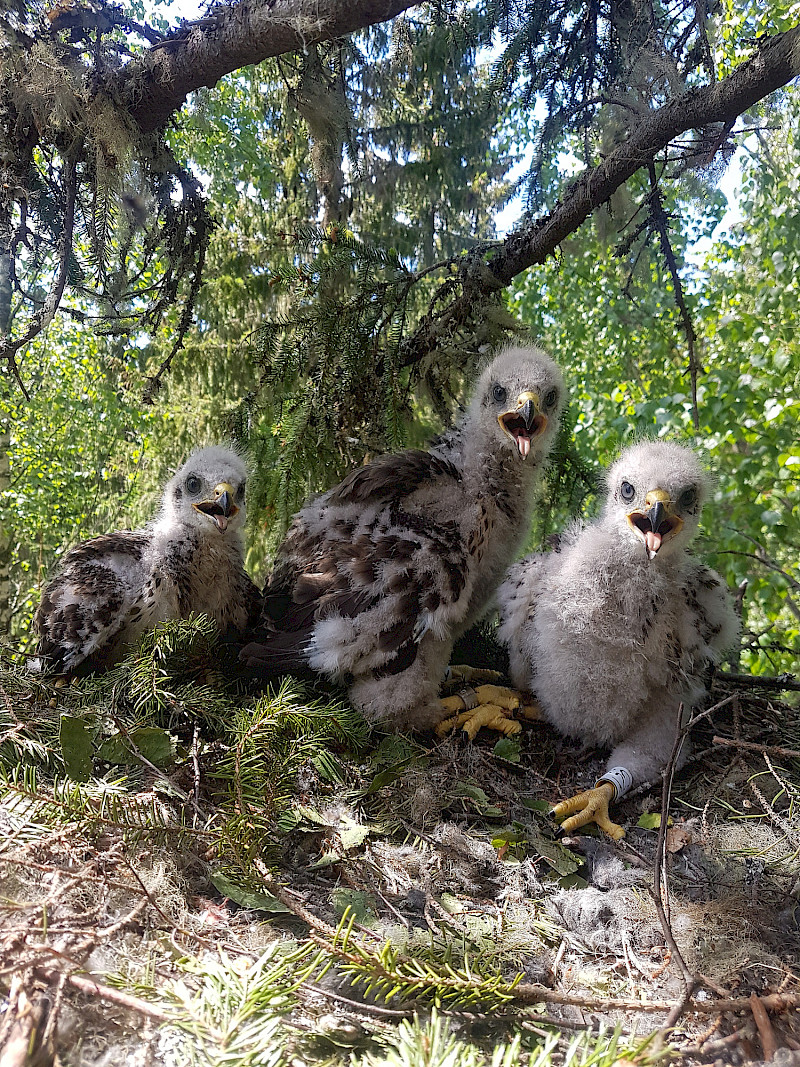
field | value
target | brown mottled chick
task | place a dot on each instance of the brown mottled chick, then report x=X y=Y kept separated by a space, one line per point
x=113 y=588
x=378 y=577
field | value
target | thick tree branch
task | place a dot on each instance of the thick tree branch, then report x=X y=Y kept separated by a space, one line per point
x=200 y=53
x=775 y=63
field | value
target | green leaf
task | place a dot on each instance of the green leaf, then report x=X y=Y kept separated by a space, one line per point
x=329 y=768
x=327 y=859
x=155 y=744
x=573 y=881
x=75 y=738
x=536 y=805
x=360 y=905
x=312 y=815
x=256 y=899
x=558 y=856
x=386 y=777
x=479 y=798
x=650 y=820
x=508 y=749
x=352 y=834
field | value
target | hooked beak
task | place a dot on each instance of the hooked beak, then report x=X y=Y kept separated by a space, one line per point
x=656 y=522
x=524 y=422
x=222 y=508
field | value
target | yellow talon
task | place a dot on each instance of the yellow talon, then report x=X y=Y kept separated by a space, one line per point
x=531 y=712
x=591 y=806
x=461 y=674
x=472 y=719
x=499 y=695
x=490 y=705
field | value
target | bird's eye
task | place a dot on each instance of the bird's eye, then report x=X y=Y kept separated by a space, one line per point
x=688 y=498
x=240 y=492
x=627 y=492
x=500 y=394
x=550 y=399
x=193 y=484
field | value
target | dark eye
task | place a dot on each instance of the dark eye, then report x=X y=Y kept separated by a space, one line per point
x=240 y=492
x=688 y=498
x=550 y=399
x=500 y=394
x=193 y=484
x=627 y=492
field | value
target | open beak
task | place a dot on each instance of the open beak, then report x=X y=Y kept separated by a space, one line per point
x=655 y=523
x=222 y=508
x=524 y=422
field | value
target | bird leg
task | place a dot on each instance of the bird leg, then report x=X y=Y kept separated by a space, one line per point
x=461 y=674
x=61 y=682
x=591 y=806
x=488 y=705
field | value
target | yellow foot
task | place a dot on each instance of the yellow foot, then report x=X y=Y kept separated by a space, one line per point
x=59 y=683
x=591 y=806
x=532 y=712
x=488 y=705
x=459 y=674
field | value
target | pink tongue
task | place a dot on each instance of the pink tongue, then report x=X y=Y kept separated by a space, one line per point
x=524 y=445
x=222 y=523
x=653 y=541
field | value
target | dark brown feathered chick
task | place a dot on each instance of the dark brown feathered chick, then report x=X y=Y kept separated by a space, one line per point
x=378 y=577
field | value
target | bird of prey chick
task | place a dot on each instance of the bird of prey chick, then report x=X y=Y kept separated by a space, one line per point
x=113 y=588
x=378 y=577
x=616 y=629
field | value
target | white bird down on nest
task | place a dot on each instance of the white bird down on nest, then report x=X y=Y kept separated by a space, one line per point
x=378 y=577
x=620 y=626
x=111 y=589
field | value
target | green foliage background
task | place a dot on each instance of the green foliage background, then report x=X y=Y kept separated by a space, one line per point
x=425 y=169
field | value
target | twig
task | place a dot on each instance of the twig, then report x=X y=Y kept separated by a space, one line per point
x=359 y=1005
x=196 y=765
x=660 y=889
x=773 y=750
x=781 y=682
x=113 y=996
x=161 y=775
x=708 y=1048
x=156 y=381
x=764 y=559
x=661 y=223
x=27 y=1022
x=43 y=318
x=765 y=1031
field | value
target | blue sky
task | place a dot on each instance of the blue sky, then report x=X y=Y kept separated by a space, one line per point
x=729 y=184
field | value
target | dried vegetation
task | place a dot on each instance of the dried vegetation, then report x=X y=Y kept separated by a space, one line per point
x=249 y=878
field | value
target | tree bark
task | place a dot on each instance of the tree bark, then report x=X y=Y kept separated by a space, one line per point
x=201 y=52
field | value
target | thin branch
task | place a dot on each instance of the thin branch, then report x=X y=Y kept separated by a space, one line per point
x=775 y=63
x=661 y=222
x=45 y=316
x=780 y=682
x=660 y=890
x=765 y=1032
x=773 y=750
x=112 y=996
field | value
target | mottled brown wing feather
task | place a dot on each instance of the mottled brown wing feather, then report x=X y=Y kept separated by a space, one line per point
x=392 y=477
x=82 y=608
x=316 y=577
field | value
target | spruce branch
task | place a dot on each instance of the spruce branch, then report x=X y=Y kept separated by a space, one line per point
x=775 y=62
